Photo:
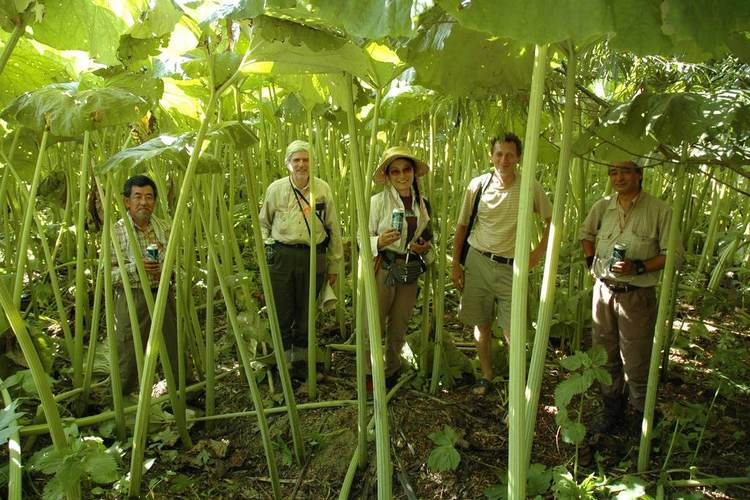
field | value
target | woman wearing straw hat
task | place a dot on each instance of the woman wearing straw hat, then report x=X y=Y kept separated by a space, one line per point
x=399 y=250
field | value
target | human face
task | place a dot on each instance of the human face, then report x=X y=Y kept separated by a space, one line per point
x=299 y=166
x=140 y=204
x=504 y=157
x=401 y=175
x=625 y=178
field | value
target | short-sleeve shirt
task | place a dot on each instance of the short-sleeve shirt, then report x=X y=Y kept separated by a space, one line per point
x=494 y=229
x=644 y=233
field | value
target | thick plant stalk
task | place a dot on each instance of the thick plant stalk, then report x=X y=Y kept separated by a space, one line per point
x=81 y=288
x=547 y=299
x=278 y=344
x=245 y=358
x=10 y=45
x=109 y=308
x=23 y=245
x=517 y=402
x=665 y=296
x=382 y=438
x=210 y=286
x=157 y=318
x=93 y=334
x=442 y=260
x=40 y=377
x=312 y=309
x=15 y=472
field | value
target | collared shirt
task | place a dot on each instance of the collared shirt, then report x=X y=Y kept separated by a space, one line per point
x=644 y=231
x=156 y=232
x=381 y=208
x=494 y=229
x=282 y=219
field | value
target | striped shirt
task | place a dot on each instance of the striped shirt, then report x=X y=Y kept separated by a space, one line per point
x=494 y=229
x=156 y=232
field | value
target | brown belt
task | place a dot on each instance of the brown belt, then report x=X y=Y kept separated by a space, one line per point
x=620 y=287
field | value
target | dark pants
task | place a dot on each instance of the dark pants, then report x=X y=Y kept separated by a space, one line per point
x=290 y=279
x=124 y=332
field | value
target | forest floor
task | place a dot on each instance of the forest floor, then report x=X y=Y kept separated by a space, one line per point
x=700 y=429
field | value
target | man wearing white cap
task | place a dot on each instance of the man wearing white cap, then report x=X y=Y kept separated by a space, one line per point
x=286 y=220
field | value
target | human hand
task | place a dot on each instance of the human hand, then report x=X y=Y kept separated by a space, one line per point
x=332 y=279
x=623 y=267
x=153 y=268
x=388 y=237
x=458 y=277
x=420 y=246
x=535 y=256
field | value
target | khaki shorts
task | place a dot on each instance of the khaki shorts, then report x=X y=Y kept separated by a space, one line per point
x=488 y=286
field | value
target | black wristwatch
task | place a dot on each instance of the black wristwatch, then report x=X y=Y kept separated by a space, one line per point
x=640 y=267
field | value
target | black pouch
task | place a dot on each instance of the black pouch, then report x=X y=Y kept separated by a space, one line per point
x=405 y=272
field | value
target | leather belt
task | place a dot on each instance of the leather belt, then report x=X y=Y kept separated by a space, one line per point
x=620 y=287
x=496 y=258
x=320 y=248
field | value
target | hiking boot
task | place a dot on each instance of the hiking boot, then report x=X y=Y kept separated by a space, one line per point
x=609 y=416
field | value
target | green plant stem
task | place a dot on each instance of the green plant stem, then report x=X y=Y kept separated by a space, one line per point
x=517 y=402
x=40 y=377
x=276 y=410
x=23 y=245
x=10 y=45
x=665 y=298
x=93 y=335
x=717 y=481
x=273 y=320
x=703 y=428
x=81 y=289
x=15 y=471
x=312 y=309
x=245 y=358
x=382 y=438
x=547 y=300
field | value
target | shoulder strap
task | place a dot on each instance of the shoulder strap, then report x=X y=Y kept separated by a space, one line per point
x=477 y=197
x=298 y=194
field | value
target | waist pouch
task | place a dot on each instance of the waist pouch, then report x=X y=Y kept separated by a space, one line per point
x=402 y=272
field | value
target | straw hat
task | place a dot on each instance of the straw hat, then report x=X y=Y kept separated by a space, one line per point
x=394 y=153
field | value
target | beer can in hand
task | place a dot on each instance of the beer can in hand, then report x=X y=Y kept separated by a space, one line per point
x=618 y=252
x=153 y=252
x=397 y=219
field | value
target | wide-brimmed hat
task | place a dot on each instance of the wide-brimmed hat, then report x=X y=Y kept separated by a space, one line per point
x=394 y=153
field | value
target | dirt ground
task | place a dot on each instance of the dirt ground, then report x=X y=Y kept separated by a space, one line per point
x=698 y=429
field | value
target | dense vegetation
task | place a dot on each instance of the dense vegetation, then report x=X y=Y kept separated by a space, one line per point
x=205 y=96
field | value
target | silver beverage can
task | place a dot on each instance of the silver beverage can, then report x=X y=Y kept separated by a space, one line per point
x=152 y=251
x=397 y=219
x=618 y=252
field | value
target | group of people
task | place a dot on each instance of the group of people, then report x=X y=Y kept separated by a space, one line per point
x=624 y=240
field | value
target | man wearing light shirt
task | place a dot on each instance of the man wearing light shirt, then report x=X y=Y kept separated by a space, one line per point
x=486 y=279
x=286 y=220
x=624 y=305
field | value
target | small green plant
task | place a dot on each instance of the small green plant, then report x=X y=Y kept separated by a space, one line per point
x=8 y=421
x=586 y=368
x=445 y=456
x=565 y=486
x=538 y=480
x=88 y=460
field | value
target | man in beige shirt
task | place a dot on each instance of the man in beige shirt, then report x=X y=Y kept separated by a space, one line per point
x=486 y=278
x=286 y=220
x=624 y=305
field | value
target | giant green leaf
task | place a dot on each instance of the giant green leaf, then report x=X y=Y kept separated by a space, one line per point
x=134 y=156
x=69 y=112
x=458 y=61
x=638 y=28
x=157 y=21
x=702 y=28
x=30 y=67
x=372 y=19
x=81 y=25
x=534 y=21
x=280 y=46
